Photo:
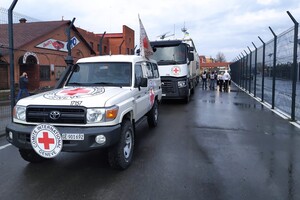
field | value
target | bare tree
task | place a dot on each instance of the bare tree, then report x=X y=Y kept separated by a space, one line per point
x=220 y=57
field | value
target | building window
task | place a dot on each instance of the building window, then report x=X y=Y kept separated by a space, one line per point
x=44 y=72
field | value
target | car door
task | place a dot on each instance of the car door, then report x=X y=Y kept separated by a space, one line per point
x=156 y=85
x=141 y=96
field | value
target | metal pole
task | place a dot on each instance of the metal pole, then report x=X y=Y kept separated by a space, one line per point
x=100 y=43
x=274 y=67
x=250 y=69
x=69 y=59
x=263 y=70
x=294 y=66
x=246 y=70
x=11 y=56
x=120 y=47
x=242 y=71
x=255 y=69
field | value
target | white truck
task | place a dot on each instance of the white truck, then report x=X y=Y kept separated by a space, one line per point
x=179 y=67
x=100 y=103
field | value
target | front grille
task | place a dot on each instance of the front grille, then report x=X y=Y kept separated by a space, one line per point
x=167 y=87
x=68 y=115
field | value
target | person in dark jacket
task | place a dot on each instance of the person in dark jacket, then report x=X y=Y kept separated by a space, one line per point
x=23 y=82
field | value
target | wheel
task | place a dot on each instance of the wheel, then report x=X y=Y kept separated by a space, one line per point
x=187 y=98
x=31 y=156
x=120 y=155
x=152 y=116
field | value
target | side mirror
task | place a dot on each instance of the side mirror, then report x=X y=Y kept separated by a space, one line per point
x=191 y=48
x=141 y=82
x=191 y=56
x=144 y=82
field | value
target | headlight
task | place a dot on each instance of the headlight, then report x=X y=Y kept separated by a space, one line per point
x=181 y=84
x=20 y=113
x=95 y=115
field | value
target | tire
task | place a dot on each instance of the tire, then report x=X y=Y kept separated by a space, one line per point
x=120 y=155
x=187 y=98
x=152 y=116
x=31 y=156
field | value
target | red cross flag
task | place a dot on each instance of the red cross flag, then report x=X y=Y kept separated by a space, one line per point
x=145 y=47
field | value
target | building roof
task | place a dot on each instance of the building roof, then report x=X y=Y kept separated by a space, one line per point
x=215 y=64
x=25 y=33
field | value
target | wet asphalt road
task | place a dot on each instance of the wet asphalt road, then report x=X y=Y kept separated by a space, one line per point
x=219 y=146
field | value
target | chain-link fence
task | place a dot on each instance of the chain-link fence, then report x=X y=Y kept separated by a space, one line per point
x=271 y=74
x=16 y=17
x=5 y=107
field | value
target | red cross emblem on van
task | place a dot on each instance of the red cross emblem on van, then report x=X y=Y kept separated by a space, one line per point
x=176 y=70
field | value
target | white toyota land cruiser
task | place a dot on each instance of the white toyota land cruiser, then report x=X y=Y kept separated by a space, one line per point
x=98 y=106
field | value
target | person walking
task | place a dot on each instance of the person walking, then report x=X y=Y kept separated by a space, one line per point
x=204 y=80
x=226 y=78
x=212 y=80
x=23 y=82
x=220 y=81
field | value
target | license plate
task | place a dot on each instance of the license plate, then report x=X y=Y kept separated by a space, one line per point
x=72 y=136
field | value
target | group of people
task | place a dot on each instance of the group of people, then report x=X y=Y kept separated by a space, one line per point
x=222 y=80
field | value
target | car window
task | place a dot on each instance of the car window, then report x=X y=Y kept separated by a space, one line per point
x=155 y=70
x=148 y=69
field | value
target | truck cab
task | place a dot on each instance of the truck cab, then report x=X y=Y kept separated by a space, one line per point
x=179 y=65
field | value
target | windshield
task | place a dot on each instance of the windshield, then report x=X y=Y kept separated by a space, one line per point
x=101 y=74
x=166 y=55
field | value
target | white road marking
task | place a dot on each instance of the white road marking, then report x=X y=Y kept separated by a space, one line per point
x=4 y=146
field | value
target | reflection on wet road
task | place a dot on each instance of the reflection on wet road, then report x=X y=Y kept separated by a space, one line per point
x=219 y=146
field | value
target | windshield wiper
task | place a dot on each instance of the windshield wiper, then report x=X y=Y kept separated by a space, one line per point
x=108 y=84
x=167 y=62
x=74 y=83
x=102 y=83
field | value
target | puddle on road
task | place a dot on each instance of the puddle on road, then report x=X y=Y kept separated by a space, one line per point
x=248 y=105
x=209 y=101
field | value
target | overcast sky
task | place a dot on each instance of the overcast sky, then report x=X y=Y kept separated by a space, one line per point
x=226 y=26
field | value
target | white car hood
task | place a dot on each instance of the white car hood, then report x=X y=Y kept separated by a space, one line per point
x=76 y=96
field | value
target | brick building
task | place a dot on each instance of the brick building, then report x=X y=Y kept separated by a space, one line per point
x=40 y=49
x=209 y=64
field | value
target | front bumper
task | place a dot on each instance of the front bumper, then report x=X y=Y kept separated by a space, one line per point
x=21 y=136
x=170 y=88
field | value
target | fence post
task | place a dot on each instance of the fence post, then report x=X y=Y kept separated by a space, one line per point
x=246 y=74
x=255 y=69
x=11 y=56
x=294 y=66
x=263 y=70
x=242 y=71
x=250 y=69
x=274 y=67
x=100 y=43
